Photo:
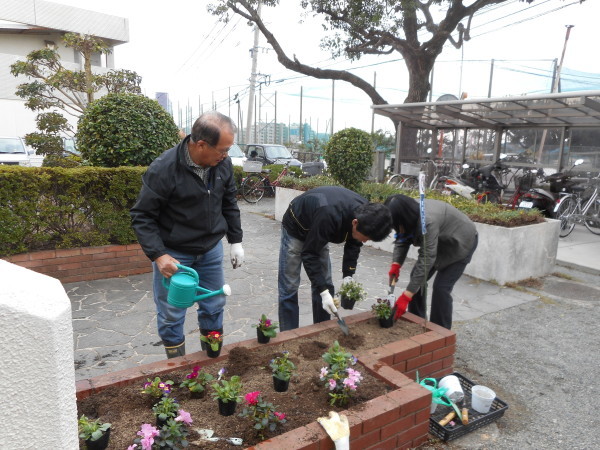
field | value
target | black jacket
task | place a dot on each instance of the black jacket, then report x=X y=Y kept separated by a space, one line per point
x=176 y=210
x=319 y=216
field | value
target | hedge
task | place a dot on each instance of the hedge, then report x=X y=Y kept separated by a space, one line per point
x=54 y=207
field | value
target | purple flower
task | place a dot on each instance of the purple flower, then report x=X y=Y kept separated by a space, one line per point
x=332 y=384
x=323 y=372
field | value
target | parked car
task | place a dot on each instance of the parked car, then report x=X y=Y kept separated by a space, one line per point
x=237 y=155
x=70 y=147
x=13 y=151
x=272 y=154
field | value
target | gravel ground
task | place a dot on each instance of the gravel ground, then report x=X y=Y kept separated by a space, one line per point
x=542 y=359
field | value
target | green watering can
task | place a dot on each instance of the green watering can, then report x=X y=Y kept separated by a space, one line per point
x=184 y=285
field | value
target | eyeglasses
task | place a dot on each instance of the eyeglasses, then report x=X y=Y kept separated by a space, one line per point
x=220 y=152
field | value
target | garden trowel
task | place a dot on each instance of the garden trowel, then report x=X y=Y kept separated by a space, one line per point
x=342 y=324
x=207 y=435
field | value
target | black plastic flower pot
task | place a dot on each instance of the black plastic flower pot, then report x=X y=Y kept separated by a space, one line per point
x=386 y=323
x=99 y=444
x=227 y=409
x=262 y=339
x=347 y=303
x=197 y=394
x=280 y=385
x=161 y=422
x=213 y=353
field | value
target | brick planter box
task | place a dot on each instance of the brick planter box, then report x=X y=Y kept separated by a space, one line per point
x=399 y=419
x=86 y=263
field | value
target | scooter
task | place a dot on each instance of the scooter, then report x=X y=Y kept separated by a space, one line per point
x=480 y=183
x=545 y=200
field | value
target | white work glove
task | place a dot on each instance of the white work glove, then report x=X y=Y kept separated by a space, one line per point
x=327 y=300
x=237 y=255
x=346 y=280
x=338 y=429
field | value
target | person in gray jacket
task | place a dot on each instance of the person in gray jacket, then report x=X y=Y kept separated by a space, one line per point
x=446 y=248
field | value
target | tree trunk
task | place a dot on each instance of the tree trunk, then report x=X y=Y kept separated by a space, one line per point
x=419 y=69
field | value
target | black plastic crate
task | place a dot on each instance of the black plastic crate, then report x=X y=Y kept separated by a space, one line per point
x=476 y=420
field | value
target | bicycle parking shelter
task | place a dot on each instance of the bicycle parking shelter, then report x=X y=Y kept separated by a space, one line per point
x=550 y=130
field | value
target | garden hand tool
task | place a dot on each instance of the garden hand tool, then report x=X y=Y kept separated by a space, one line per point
x=342 y=324
x=391 y=288
x=207 y=435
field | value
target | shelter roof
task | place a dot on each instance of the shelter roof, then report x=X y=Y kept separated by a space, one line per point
x=573 y=109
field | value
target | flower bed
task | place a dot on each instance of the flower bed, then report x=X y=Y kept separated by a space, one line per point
x=398 y=418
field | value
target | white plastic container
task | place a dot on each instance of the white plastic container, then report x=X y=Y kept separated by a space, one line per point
x=452 y=383
x=482 y=398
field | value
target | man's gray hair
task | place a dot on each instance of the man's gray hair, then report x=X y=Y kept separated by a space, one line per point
x=208 y=127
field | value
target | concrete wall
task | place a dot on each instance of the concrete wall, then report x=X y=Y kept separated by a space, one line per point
x=503 y=254
x=36 y=367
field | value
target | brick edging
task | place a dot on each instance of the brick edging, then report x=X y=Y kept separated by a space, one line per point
x=86 y=263
x=398 y=419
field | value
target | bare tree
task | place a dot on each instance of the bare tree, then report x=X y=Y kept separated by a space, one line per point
x=374 y=27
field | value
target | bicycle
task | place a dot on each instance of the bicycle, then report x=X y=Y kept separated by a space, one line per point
x=580 y=206
x=253 y=186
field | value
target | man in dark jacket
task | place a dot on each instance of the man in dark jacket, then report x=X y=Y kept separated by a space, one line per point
x=186 y=205
x=446 y=248
x=313 y=219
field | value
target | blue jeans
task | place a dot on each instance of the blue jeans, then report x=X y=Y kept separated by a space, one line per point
x=290 y=265
x=441 y=297
x=210 y=310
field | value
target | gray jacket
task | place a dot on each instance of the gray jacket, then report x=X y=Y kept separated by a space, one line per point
x=449 y=238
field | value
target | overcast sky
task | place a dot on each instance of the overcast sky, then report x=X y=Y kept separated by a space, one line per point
x=177 y=47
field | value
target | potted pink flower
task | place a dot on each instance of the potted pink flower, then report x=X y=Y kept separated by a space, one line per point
x=263 y=414
x=265 y=329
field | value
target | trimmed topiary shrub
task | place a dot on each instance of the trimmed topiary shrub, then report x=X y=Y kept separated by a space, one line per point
x=125 y=130
x=349 y=156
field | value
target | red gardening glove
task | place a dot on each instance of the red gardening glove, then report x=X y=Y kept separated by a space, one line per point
x=394 y=272
x=401 y=305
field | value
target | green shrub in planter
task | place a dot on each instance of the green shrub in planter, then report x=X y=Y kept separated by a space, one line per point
x=349 y=155
x=125 y=130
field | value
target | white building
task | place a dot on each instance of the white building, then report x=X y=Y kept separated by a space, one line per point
x=27 y=25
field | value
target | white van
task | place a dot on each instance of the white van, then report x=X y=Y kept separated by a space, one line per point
x=13 y=152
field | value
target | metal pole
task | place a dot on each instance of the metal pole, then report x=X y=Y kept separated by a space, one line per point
x=491 y=78
x=373 y=111
x=554 y=87
x=300 y=124
x=252 y=79
x=332 y=103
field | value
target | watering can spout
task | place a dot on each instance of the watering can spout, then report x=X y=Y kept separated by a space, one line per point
x=183 y=288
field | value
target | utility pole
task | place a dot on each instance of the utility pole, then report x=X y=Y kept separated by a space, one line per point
x=254 y=52
x=373 y=111
x=300 y=124
x=553 y=90
x=332 y=103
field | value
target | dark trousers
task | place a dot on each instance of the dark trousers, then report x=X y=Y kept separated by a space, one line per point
x=441 y=297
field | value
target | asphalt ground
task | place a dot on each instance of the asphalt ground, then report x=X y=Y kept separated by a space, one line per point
x=535 y=344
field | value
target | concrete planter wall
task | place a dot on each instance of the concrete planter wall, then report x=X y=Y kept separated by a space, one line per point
x=399 y=419
x=503 y=255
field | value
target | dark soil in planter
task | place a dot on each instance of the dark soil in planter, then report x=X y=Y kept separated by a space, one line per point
x=307 y=398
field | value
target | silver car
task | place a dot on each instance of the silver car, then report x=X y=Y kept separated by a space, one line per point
x=13 y=152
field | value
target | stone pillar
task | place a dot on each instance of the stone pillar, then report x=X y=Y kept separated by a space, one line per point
x=36 y=367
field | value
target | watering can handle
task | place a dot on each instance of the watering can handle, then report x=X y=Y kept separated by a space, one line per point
x=183 y=268
x=189 y=270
